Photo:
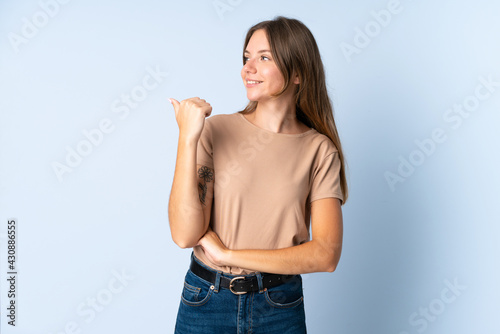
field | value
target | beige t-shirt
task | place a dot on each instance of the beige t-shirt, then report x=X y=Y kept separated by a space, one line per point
x=264 y=183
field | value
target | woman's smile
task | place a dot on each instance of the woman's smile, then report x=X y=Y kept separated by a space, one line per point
x=253 y=83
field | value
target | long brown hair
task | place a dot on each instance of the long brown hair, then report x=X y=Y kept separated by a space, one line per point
x=295 y=51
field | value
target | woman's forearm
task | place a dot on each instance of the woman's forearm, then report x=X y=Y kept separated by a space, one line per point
x=185 y=212
x=309 y=257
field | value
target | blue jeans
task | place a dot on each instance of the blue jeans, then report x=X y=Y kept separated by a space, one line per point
x=211 y=309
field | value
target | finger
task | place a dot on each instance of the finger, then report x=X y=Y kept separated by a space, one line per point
x=201 y=242
x=207 y=109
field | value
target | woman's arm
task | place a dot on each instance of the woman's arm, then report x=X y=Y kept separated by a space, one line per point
x=320 y=254
x=192 y=188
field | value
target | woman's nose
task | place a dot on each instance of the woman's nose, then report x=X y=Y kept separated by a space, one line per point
x=249 y=66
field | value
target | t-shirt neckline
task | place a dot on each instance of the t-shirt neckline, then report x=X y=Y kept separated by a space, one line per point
x=276 y=133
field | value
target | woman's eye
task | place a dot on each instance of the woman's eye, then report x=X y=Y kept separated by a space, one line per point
x=245 y=59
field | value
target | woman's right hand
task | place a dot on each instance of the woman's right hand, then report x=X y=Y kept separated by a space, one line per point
x=190 y=115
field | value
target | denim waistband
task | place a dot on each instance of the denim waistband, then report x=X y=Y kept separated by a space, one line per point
x=220 y=274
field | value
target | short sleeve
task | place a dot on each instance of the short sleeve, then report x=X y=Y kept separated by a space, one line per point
x=326 y=179
x=204 y=151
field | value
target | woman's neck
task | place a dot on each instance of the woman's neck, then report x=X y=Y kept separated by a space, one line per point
x=277 y=117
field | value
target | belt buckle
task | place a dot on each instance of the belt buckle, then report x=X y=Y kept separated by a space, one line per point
x=231 y=286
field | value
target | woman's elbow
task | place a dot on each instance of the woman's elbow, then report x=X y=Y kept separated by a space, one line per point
x=184 y=236
x=184 y=242
x=330 y=261
x=330 y=267
x=327 y=264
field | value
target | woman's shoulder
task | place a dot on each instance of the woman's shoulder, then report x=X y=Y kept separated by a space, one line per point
x=222 y=118
x=323 y=143
x=222 y=122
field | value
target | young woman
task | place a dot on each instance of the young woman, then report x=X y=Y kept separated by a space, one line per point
x=249 y=185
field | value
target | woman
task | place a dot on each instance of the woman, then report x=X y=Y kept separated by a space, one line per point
x=263 y=176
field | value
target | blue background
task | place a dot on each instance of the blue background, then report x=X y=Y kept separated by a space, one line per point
x=403 y=244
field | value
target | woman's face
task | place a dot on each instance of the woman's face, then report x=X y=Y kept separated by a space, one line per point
x=260 y=66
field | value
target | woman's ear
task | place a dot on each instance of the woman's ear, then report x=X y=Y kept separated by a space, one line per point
x=296 y=79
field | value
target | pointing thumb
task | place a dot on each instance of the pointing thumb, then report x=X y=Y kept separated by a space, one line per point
x=175 y=103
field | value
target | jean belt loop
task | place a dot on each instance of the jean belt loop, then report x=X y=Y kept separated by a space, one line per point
x=217 y=281
x=259 y=281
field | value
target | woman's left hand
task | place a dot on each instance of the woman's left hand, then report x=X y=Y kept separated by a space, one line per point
x=213 y=247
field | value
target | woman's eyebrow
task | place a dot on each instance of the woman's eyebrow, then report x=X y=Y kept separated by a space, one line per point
x=261 y=51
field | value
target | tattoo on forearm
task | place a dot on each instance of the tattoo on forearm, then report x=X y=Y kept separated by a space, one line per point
x=207 y=175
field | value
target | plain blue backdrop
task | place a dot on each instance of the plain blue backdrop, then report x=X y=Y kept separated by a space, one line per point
x=88 y=144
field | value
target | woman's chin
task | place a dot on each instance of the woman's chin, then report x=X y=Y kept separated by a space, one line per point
x=254 y=97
